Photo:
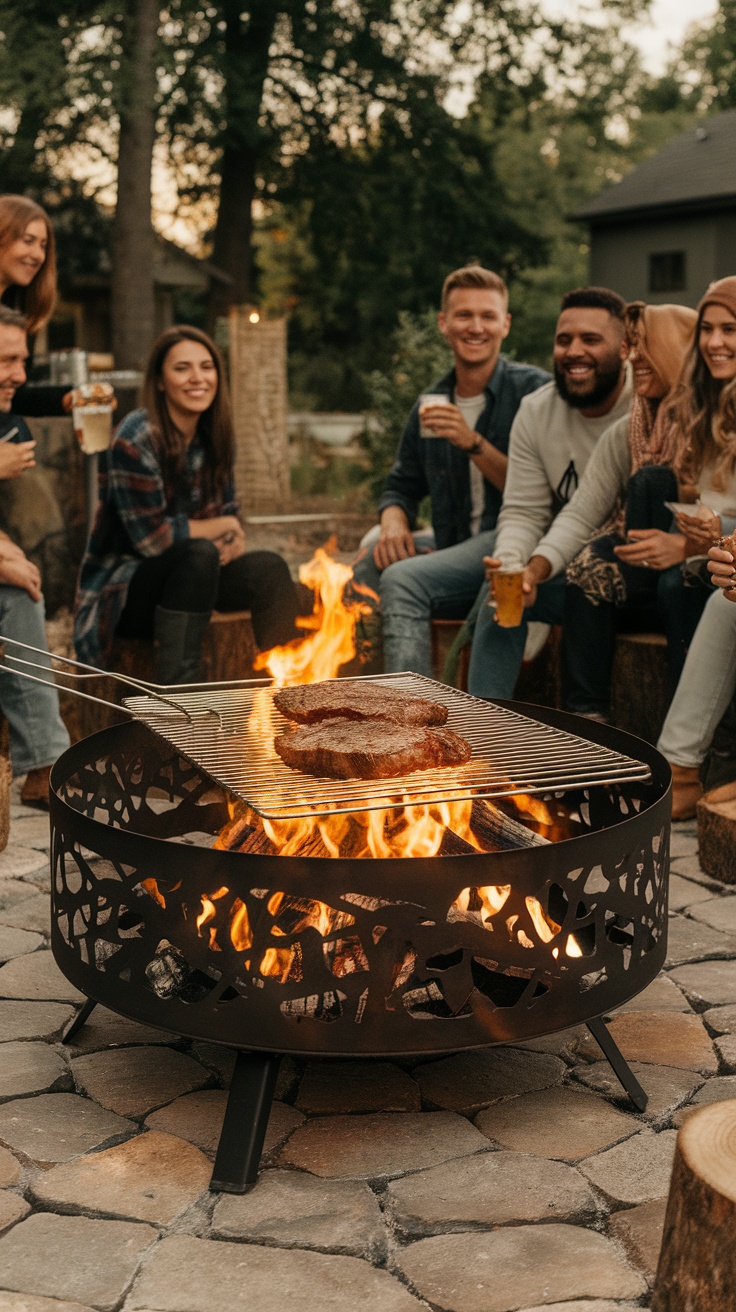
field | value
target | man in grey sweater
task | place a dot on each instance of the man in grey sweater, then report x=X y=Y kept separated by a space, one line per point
x=552 y=439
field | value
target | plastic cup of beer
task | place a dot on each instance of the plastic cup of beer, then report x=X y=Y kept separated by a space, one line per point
x=92 y=416
x=508 y=595
x=425 y=401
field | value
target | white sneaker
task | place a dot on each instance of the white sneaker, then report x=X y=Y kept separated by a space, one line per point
x=537 y=635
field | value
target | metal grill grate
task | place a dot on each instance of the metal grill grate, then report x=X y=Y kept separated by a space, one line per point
x=228 y=733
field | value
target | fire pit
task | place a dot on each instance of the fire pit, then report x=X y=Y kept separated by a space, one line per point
x=500 y=936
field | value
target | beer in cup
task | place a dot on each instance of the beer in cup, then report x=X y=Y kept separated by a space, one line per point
x=92 y=406
x=508 y=594
x=427 y=399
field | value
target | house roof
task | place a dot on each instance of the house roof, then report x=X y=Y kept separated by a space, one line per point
x=173 y=266
x=692 y=170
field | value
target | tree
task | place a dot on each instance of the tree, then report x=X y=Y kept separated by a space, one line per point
x=133 y=305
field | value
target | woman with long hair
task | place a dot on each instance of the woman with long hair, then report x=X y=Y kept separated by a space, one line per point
x=705 y=411
x=28 y=284
x=166 y=546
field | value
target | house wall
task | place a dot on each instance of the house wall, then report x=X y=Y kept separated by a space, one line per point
x=619 y=254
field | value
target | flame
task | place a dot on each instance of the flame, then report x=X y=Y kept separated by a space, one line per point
x=240 y=931
x=277 y=963
x=209 y=910
x=152 y=889
x=534 y=807
x=572 y=947
x=545 y=926
x=332 y=642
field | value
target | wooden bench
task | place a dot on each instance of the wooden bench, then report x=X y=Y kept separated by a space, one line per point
x=228 y=652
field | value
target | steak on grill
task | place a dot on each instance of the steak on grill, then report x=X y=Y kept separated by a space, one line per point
x=375 y=749
x=311 y=702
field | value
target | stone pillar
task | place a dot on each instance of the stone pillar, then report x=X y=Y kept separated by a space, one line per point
x=259 y=396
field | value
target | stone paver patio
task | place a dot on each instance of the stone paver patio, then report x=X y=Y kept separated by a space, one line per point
x=512 y=1179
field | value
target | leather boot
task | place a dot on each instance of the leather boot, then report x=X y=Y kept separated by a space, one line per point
x=177 y=640
x=686 y=791
x=35 y=790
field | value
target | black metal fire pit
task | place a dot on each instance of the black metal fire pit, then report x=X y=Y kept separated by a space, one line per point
x=317 y=956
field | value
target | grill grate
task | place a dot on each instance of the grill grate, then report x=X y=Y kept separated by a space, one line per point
x=228 y=733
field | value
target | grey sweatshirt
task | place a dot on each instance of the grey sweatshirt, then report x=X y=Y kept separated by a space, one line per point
x=549 y=449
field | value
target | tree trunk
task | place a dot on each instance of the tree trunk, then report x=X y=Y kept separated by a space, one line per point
x=245 y=65
x=697 y=1265
x=133 y=301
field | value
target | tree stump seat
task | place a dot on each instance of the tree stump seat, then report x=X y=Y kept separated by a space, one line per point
x=228 y=652
x=639 y=685
x=716 y=819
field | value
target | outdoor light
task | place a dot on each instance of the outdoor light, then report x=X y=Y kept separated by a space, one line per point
x=254 y=317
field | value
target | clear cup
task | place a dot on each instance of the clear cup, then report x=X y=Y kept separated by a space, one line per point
x=508 y=595
x=92 y=407
x=425 y=400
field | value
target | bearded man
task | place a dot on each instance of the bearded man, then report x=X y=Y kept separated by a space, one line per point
x=552 y=438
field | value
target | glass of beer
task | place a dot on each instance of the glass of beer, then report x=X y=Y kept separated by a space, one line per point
x=92 y=416
x=508 y=595
x=425 y=401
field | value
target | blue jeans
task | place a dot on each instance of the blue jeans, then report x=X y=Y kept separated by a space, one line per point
x=365 y=569
x=444 y=583
x=496 y=654
x=37 y=732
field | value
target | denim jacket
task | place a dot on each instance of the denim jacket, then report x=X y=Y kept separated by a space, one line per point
x=434 y=467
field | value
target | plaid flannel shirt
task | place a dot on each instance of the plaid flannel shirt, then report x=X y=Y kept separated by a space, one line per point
x=139 y=514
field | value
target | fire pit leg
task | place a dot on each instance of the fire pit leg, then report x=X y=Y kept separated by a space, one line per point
x=618 y=1063
x=246 y=1118
x=76 y=1022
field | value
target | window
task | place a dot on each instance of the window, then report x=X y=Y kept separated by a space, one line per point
x=667 y=272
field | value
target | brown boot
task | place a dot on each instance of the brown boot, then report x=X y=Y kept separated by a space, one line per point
x=686 y=791
x=35 y=791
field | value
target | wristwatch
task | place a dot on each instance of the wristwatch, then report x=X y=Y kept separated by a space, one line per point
x=476 y=448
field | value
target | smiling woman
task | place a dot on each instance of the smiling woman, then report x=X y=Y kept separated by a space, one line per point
x=167 y=546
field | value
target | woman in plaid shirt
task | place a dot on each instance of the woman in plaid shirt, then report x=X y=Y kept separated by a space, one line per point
x=166 y=547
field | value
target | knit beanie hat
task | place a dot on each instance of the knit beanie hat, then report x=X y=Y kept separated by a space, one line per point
x=722 y=292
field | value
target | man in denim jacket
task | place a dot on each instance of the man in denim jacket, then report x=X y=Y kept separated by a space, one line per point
x=461 y=467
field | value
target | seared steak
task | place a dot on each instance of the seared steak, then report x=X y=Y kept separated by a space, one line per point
x=310 y=702
x=374 y=749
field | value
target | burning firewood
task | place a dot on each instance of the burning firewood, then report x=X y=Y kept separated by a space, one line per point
x=497 y=832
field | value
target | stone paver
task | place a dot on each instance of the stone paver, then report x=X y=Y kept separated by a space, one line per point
x=106 y=1029
x=37 y=1303
x=707 y=983
x=636 y=1171
x=690 y=940
x=12 y=1209
x=17 y=942
x=32 y=912
x=222 y=1062
x=665 y=1038
x=293 y=1210
x=563 y=1044
x=352 y=1086
x=10 y=1169
x=31 y=1068
x=153 y=1177
x=474 y=1079
x=559 y=1123
x=666 y=1087
x=682 y=845
x=380 y=1144
x=31 y=831
x=726 y=1049
x=196 y=1275
x=684 y=893
x=37 y=976
x=489 y=1189
x=586 y=1305
x=518 y=1266
x=721 y=1020
x=661 y=995
x=133 y=1081
x=54 y=1127
x=718 y=912
x=639 y=1229
x=198 y=1117
x=73 y=1257
x=17 y=861
x=32 y=1020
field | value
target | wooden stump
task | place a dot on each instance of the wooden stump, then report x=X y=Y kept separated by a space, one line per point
x=716 y=812
x=640 y=692
x=697 y=1265
x=228 y=652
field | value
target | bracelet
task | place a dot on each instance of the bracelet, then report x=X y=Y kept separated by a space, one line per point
x=476 y=448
